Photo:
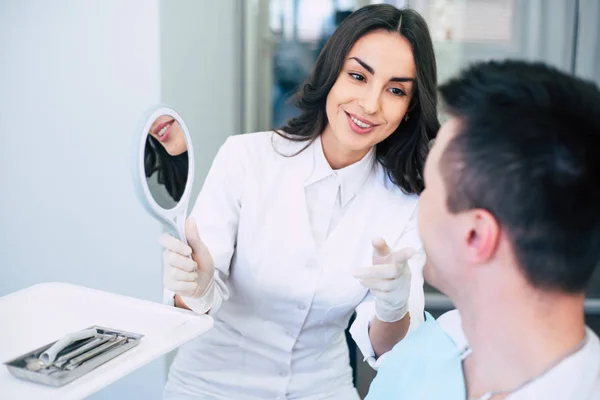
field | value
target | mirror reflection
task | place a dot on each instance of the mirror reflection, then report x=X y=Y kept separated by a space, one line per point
x=166 y=161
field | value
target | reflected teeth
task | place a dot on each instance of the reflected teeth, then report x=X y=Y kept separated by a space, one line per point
x=360 y=123
x=163 y=130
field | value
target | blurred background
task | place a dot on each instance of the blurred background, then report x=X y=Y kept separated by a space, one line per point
x=76 y=77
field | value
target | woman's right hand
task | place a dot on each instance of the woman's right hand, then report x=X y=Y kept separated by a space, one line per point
x=185 y=276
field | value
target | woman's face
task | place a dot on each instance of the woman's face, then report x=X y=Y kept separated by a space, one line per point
x=370 y=96
x=168 y=133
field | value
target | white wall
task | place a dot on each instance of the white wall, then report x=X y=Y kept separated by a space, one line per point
x=201 y=61
x=75 y=77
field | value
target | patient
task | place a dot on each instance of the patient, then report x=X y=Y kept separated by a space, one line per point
x=510 y=221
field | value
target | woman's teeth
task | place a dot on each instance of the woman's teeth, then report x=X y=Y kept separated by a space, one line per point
x=360 y=123
x=163 y=130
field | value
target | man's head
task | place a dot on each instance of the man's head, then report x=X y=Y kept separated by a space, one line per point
x=513 y=180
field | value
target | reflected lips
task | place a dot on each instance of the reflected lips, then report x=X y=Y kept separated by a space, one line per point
x=163 y=130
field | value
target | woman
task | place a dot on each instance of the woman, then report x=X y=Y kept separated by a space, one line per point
x=166 y=155
x=281 y=252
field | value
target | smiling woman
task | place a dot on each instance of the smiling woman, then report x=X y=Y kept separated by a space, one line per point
x=168 y=133
x=374 y=85
x=370 y=97
x=166 y=159
x=281 y=232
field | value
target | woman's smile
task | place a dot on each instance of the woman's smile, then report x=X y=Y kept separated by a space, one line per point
x=161 y=132
x=360 y=125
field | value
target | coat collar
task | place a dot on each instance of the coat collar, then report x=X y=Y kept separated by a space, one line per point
x=351 y=178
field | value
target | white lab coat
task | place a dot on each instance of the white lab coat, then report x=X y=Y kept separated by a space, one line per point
x=577 y=377
x=283 y=299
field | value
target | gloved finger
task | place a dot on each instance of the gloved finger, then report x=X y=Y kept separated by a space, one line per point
x=178 y=261
x=380 y=246
x=382 y=254
x=404 y=255
x=380 y=271
x=175 y=245
x=193 y=237
x=381 y=285
x=182 y=288
x=200 y=252
x=184 y=276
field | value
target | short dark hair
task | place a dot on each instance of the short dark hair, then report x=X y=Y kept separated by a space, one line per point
x=527 y=152
x=403 y=153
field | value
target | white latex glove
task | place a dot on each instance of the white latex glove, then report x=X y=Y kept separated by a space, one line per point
x=388 y=279
x=191 y=278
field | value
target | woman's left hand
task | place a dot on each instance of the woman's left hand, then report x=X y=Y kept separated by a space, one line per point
x=389 y=279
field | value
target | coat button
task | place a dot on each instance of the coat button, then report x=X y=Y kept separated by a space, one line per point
x=283 y=374
x=301 y=307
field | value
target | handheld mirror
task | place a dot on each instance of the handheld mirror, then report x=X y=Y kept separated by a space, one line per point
x=163 y=169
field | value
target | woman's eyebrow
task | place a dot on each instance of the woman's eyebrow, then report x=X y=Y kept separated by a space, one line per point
x=372 y=71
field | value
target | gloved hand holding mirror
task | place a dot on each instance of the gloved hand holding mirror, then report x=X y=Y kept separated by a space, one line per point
x=163 y=176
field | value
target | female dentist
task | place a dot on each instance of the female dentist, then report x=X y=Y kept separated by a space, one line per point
x=280 y=233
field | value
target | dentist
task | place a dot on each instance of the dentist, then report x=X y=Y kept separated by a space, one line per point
x=280 y=233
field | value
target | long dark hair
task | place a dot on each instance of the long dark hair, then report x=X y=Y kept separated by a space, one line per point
x=172 y=170
x=403 y=153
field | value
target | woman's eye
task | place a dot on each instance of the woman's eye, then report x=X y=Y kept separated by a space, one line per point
x=358 y=77
x=397 y=92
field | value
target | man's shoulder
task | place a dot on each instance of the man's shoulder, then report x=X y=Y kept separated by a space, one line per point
x=426 y=353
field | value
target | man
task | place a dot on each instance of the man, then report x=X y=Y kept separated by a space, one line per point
x=510 y=222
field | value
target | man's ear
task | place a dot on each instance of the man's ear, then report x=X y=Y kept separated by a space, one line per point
x=482 y=237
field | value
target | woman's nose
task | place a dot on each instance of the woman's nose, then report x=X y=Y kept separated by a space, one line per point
x=370 y=101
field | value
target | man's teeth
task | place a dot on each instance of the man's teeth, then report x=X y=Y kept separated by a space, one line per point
x=360 y=123
x=163 y=130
